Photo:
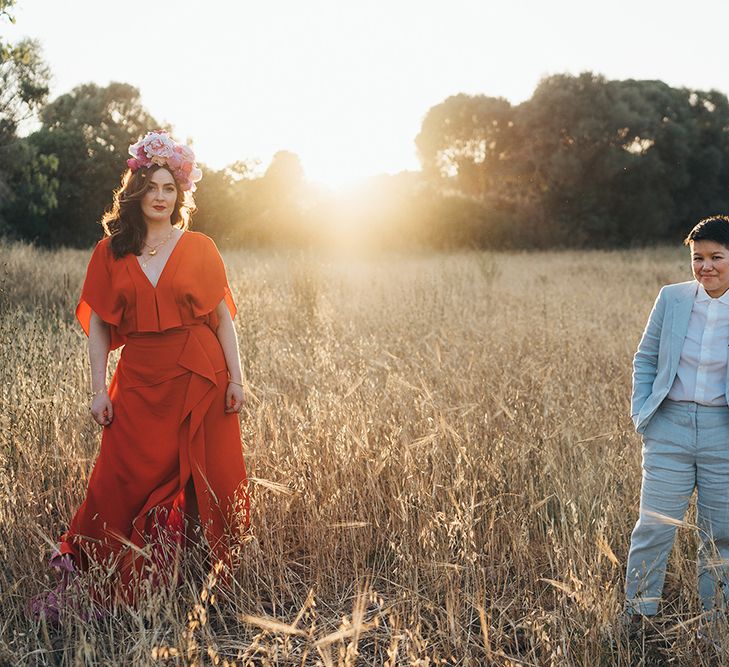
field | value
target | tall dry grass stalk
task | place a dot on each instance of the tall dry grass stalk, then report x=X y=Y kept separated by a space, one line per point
x=443 y=467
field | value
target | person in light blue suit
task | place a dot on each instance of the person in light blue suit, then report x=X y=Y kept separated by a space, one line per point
x=680 y=406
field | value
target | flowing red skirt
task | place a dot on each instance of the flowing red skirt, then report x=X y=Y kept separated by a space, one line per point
x=169 y=429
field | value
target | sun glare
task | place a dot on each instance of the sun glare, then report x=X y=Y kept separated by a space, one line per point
x=334 y=160
x=337 y=175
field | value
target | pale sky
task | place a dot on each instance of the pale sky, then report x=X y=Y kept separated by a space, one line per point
x=346 y=84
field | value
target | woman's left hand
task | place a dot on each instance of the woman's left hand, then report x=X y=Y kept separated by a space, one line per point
x=233 y=398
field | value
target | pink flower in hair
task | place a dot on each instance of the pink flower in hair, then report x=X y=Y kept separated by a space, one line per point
x=139 y=157
x=159 y=148
x=185 y=153
x=157 y=144
x=174 y=161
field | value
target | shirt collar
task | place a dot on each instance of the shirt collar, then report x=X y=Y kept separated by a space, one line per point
x=701 y=295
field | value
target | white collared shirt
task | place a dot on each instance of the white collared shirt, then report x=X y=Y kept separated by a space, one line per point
x=701 y=374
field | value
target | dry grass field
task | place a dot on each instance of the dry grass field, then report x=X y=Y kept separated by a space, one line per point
x=442 y=465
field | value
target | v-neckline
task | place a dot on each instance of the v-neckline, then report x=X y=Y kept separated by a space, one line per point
x=164 y=268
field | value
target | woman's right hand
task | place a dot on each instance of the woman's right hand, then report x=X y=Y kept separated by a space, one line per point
x=101 y=409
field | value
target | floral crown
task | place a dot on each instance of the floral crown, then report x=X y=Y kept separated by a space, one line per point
x=157 y=147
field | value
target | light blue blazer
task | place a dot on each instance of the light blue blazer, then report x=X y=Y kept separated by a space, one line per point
x=659 y=351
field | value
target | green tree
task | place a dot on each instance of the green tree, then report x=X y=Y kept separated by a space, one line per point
x=624 y=161
x=584 y=161
x=5 y=6
x=465 y=143
x=24 y=80
x=89 y=130
x=218 y=211
x=573 y=134
x=32 y=189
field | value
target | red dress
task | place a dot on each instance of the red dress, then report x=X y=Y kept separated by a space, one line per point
x=169 y=425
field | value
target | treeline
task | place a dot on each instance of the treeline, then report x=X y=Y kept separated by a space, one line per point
x=584 y=162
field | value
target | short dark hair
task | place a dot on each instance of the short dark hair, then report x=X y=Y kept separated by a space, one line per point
x=715 y=228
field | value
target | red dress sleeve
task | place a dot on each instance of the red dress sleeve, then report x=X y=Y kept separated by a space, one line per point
x=213 y=286
x=98 y=295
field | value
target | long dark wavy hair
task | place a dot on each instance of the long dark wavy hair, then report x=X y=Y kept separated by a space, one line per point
x=124 y=222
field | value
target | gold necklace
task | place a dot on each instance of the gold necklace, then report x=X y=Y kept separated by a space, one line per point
x=153 y=251
x=154 y=248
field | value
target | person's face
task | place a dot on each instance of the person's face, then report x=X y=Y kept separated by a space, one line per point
x=710 y=264
x=158 y=200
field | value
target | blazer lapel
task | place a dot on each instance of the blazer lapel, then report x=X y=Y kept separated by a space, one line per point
x=726 y=390
x=681 y=312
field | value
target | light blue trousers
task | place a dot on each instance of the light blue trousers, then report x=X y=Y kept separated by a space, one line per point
x=685 y=446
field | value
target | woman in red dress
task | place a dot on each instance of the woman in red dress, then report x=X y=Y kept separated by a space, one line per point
x=171 y=442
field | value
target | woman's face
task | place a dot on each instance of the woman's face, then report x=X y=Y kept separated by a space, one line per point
x=710 y=264
x=159 y=199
